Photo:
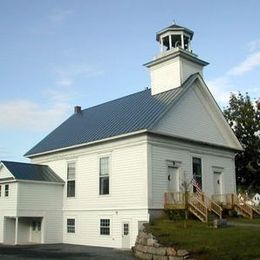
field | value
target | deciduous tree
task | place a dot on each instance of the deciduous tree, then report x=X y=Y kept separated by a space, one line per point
x=243 y=115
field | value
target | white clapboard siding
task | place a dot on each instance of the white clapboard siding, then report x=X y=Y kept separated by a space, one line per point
x=128 y=178
x=4 y=173
x=193 y=119
x=8 y=204
x=52 y=227
x=88 y=227
x=128 y=190
x=183 y=152
x=39 y=197
x=46 y=201
x=1 y=228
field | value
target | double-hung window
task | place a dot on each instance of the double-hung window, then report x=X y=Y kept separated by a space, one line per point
x=105 y=227
x=70 y=225
x=71 y=179
x=104 y=175
x=6 y=190
x=197 y=171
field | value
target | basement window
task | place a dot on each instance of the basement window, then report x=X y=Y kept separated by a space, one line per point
x=6 y=190
x=105 y=227
x=71 y=225
x=71 y=179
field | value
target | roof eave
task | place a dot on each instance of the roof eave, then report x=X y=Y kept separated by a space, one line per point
x=86 y=144
x=175 y=53
x=194 y=141
x=41 y=182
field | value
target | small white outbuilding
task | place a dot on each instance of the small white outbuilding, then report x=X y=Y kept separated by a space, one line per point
x=256 y=199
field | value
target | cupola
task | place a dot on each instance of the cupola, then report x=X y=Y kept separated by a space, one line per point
x=176 y=61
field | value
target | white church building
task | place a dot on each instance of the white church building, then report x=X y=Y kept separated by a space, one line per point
x=96 y=178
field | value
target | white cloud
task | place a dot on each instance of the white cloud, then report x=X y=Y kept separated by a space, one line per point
x=27 y=115
x=221 y=87
x=64 y=82
x=250 y=63
x=254 y=46
x=67 y=75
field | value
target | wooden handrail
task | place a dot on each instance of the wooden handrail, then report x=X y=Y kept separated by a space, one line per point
x=173 y=198
x=213 y=206
x=243 y=206
x=199 y=206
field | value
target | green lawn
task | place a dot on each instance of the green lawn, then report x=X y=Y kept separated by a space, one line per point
x=205 y=242
x=245 y=220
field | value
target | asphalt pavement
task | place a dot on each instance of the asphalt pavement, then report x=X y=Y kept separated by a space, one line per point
x=62 y=251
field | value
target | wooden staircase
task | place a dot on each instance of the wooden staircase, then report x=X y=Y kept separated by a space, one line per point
x=256 y=210
x=197 y=203
x=198 y=208
x=244 y=209
x=201 y=206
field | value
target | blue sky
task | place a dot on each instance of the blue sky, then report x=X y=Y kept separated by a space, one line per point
x=58 y=54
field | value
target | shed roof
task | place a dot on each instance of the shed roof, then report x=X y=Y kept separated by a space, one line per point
x=33 y=172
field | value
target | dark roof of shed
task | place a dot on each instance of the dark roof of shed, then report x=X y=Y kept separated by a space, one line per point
x=34 y=172
x=139 y=111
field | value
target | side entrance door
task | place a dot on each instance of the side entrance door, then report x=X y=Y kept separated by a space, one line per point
x=125 y=234
x=217 y=183
x=173 y=179
x=36 y=231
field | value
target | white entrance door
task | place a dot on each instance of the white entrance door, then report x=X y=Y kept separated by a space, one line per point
x=125 y=235
x=36 y=231
x=217 y=183
x=173 y=179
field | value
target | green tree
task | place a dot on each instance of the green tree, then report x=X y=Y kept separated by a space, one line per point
x=243 y=116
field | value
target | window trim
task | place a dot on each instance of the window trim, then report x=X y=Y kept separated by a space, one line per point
x=109 y=174
x=72 y=179
x=68 y=226
x=105 y=227
x=201 y=164
x=7 y=191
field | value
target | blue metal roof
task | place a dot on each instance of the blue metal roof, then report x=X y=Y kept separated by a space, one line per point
x=33 y=172
x=139 y=111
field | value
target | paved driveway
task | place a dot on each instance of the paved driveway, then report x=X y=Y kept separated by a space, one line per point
x=62 y=251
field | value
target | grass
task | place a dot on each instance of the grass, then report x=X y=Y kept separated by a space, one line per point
x=204 y=242
x=246 y=221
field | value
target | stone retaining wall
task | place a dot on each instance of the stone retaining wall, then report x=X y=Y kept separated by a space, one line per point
x=147 y=247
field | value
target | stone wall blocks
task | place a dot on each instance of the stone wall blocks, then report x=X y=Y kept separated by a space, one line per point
x=182 y=252
x=171 y=251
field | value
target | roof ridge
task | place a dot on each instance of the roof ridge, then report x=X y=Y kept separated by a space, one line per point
x=116 y=99
x=127 y=114
x=35 y=164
